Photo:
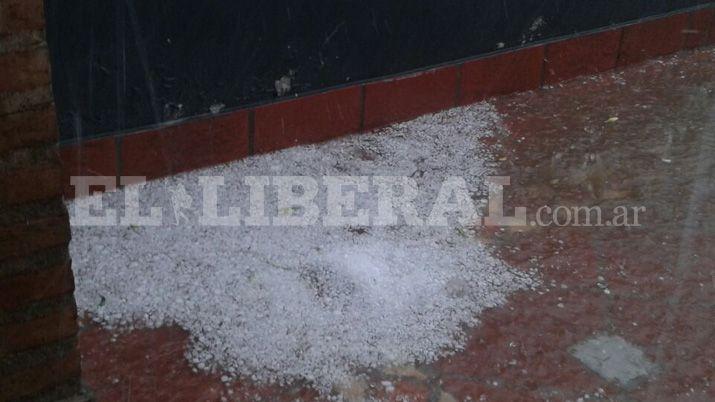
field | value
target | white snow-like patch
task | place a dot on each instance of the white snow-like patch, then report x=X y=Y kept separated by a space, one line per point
x=278 y=304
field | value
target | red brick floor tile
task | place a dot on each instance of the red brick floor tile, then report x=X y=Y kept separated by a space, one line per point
x=475 y=390
x=143 y=365
x=399 y=391
x=149 y=365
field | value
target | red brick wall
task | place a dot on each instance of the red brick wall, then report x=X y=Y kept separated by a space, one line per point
x=39 y=359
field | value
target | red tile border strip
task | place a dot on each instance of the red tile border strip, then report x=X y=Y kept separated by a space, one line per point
x=193 y=145
x=584 y=55
x=146 y=154
x=653 y=39
x=203 y=143
x=96 y=157
x=319 y=117
x=700 y=31
x=502 y=74
x=399 y=99
x=308 y=120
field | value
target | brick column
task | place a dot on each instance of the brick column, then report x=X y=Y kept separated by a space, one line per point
x=39 y=358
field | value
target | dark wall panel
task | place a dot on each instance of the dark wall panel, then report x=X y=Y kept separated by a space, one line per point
x=123 y=64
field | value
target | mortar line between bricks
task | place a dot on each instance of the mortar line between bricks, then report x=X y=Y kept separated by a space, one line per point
x=38 y=310
x=542 y=77
x=65 y=344
x=620 y=47
x=251 y=132
x=118 y=160
x=362 y=107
